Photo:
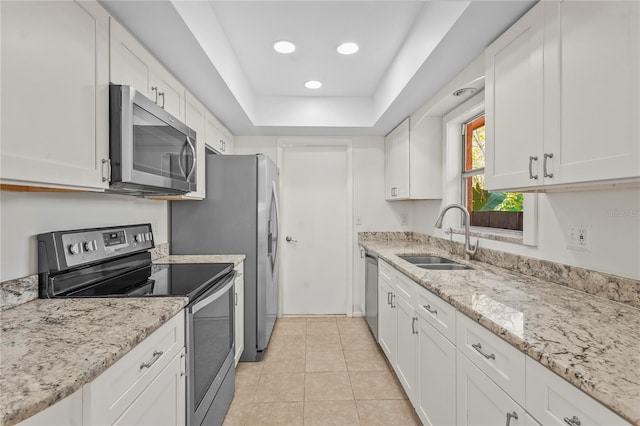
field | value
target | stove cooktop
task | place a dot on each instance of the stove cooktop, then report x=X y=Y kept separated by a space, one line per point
x=175 y=279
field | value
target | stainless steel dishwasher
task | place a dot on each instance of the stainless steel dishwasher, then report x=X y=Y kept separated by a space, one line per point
x=371 y=291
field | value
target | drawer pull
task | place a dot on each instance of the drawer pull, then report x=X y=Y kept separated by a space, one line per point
x=156 y=356
x=478 y=347
x=413 y=325
x=430 y=310
x=573 y=421
x=511 y=415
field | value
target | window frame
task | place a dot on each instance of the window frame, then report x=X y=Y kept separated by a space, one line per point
x=452 y=181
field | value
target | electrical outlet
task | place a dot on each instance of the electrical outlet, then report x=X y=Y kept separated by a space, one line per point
x=580 y=237
x=358 y=220
x=404 y=219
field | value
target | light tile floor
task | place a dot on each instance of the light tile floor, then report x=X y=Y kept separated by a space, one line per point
x=320 y=371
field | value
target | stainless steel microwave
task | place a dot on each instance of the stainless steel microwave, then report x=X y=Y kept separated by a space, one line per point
x=151 y=152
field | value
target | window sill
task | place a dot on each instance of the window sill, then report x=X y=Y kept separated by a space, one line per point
x=505 y=235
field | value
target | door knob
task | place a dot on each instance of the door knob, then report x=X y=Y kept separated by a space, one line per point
x=290 y=240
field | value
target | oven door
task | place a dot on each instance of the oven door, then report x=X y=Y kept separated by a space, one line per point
x=210 y=346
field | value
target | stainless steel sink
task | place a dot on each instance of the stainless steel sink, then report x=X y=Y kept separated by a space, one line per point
x=434 y=262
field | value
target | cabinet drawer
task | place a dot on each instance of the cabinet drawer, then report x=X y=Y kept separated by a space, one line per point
x=500 y=361
x=438 y=313
x=551 y=400
x=385 y=270
x=406 y=287
x=109 y=395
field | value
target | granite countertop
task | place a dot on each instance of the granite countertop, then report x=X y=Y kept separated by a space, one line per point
x=50 y=348
x=592 y=342
x=236 y=259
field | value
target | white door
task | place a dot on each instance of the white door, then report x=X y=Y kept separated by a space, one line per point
x=315 y=229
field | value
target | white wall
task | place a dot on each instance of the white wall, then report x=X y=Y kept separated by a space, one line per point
x=368 y=194
x=23 y=215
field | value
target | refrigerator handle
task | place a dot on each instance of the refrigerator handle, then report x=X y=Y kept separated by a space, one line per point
x=276 y=225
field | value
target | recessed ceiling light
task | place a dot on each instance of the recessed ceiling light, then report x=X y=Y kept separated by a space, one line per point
x=348 y=48
x=284 y=46
x=313 y=84
x=464 y=91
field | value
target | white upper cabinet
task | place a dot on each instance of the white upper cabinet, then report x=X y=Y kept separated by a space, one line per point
x=396 y=149
x=55 y=95
x=513 y=105
x=413 y=160
x=562 y=96
x=133 y=65
x=217 y=137
x=592 y=98
x=130 y=62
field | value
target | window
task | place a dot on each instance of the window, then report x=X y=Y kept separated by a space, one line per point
x=488 y=209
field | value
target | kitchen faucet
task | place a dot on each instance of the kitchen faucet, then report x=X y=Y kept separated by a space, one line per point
x=469 y=249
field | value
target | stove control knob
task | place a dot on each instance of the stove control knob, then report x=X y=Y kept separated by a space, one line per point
x=149 y=236
x=74 y=248
x=90 y=245
x=139 y=238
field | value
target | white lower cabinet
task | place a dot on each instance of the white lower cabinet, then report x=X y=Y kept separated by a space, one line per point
x=146 y=386
x=554 y=401
x=238 y=313
x=436 y=402
x=67 y=412
x=406 y=365
x=387 y=318
x=456 y=372
x=480 y=401
x=163 y=401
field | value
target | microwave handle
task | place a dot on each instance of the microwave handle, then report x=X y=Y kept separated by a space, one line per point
x=195 y=159
x=180 y=159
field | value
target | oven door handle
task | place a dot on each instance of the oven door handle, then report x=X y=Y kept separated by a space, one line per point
x=226 y=284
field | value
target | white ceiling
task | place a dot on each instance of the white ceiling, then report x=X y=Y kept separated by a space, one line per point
x=222 y=52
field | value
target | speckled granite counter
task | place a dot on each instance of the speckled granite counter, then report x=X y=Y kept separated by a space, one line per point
x=51 y=348
x=202 y=258
x=591 y=342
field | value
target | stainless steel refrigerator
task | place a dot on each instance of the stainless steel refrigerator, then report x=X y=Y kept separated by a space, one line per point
x=238 y=216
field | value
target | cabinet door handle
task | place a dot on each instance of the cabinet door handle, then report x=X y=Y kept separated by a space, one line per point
x=531 y=160
x=156 y=357
x=573 y=421
x=235 y=299
x=510 y=416
x=544 y=165
x=162 y=94
x=392 y=296
x=430 y=310
x=106 y=163
x=478 y=347
x=413 y=327
x=154 y=89
x=388 y=298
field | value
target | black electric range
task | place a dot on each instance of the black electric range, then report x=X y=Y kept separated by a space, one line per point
x=116 y=262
